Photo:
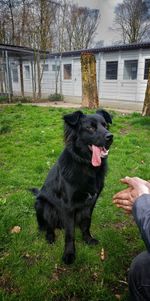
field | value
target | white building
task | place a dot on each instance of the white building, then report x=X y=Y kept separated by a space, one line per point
x=122 y=72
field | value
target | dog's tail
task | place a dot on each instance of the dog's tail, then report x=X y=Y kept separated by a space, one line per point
x=35 y=191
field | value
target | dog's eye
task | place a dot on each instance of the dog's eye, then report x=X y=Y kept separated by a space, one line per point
x=104 y=125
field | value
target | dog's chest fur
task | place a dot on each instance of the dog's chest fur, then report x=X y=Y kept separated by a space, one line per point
x=80 y=183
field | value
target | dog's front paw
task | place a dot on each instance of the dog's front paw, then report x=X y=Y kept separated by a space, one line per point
x=50 y=237
x=68 y=258
x=91 y=241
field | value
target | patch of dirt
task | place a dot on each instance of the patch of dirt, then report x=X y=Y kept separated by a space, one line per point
x=58 y=272
x=7 y=284
x=67 y=298
x=125 y=130
x=57 y=104
x=31 y=259
x=124 y=224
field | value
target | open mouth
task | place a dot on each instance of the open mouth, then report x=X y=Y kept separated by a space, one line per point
x=97 y=154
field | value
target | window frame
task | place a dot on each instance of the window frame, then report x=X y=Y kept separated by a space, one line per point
x=107 y=74
x=146 y=71
x=130 y=77
x=67 y=64
x=54 y=69
x=25 y=77
x=15 y=68
x=42 y=67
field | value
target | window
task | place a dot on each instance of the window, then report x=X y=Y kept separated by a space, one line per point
x=130 y=69
x=15 y=74
x=45 y=67
x=67 y=71
x=54 y=68
x=27 y=71
x=111 y=70
x=147 y=67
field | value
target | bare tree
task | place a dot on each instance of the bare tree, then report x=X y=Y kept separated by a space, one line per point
x=81 y=25
x=132 y=19
x=23 y=21
x=27 y=22
x=47 y=24
x=75 y=26
x=5 y=21
x=14 y=18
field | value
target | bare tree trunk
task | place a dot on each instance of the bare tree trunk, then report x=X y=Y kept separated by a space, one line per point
x=89 y=84
x=39 y=75
x=146 y=106
x=12 y=21
x=1 y=75
x=33 y=79
x=8 y=78
x=24 y=16
x=21 y=78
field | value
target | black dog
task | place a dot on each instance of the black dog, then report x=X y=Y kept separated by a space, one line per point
x=73 y=185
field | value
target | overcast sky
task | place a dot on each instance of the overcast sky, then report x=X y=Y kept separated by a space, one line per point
x=106 y=8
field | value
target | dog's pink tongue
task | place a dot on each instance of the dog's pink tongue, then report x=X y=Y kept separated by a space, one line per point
x=96 y=156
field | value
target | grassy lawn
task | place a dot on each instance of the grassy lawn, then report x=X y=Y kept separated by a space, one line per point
x=31 y=141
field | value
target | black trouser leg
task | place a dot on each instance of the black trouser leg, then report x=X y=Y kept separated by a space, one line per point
x=139 y=278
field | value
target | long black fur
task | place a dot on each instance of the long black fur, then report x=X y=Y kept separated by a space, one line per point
x=73 y=185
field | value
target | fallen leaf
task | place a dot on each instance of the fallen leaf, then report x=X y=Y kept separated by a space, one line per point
x=58 y=272
x=55 y=276
x=95 y=276
x=26 y=255
x=15 y=229
x=118 y=297
x=102 y=254
x=124 y=282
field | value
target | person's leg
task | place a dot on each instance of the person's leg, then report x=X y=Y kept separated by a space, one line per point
x=139 y=278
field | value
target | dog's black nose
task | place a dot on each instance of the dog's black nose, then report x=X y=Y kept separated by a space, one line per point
x=109 y=137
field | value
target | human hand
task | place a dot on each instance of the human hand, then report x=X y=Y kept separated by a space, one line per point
x=126 y=198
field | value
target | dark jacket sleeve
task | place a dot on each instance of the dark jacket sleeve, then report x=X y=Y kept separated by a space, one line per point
x=141 y=213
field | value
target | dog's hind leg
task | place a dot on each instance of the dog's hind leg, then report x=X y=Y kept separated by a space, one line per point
x=39 y=215
x=50 y=217
x=46 y=222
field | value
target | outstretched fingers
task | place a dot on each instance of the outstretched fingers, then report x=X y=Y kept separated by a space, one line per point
x=124 y=204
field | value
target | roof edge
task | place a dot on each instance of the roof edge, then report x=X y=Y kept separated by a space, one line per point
x=111 y=48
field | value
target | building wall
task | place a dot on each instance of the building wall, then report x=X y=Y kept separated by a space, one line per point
x=120 y=89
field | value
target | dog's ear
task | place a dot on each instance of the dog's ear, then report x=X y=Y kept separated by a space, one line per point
x=106 y=115
x=73 y=118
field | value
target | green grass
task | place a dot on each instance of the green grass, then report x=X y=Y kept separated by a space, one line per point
x=31 y=141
